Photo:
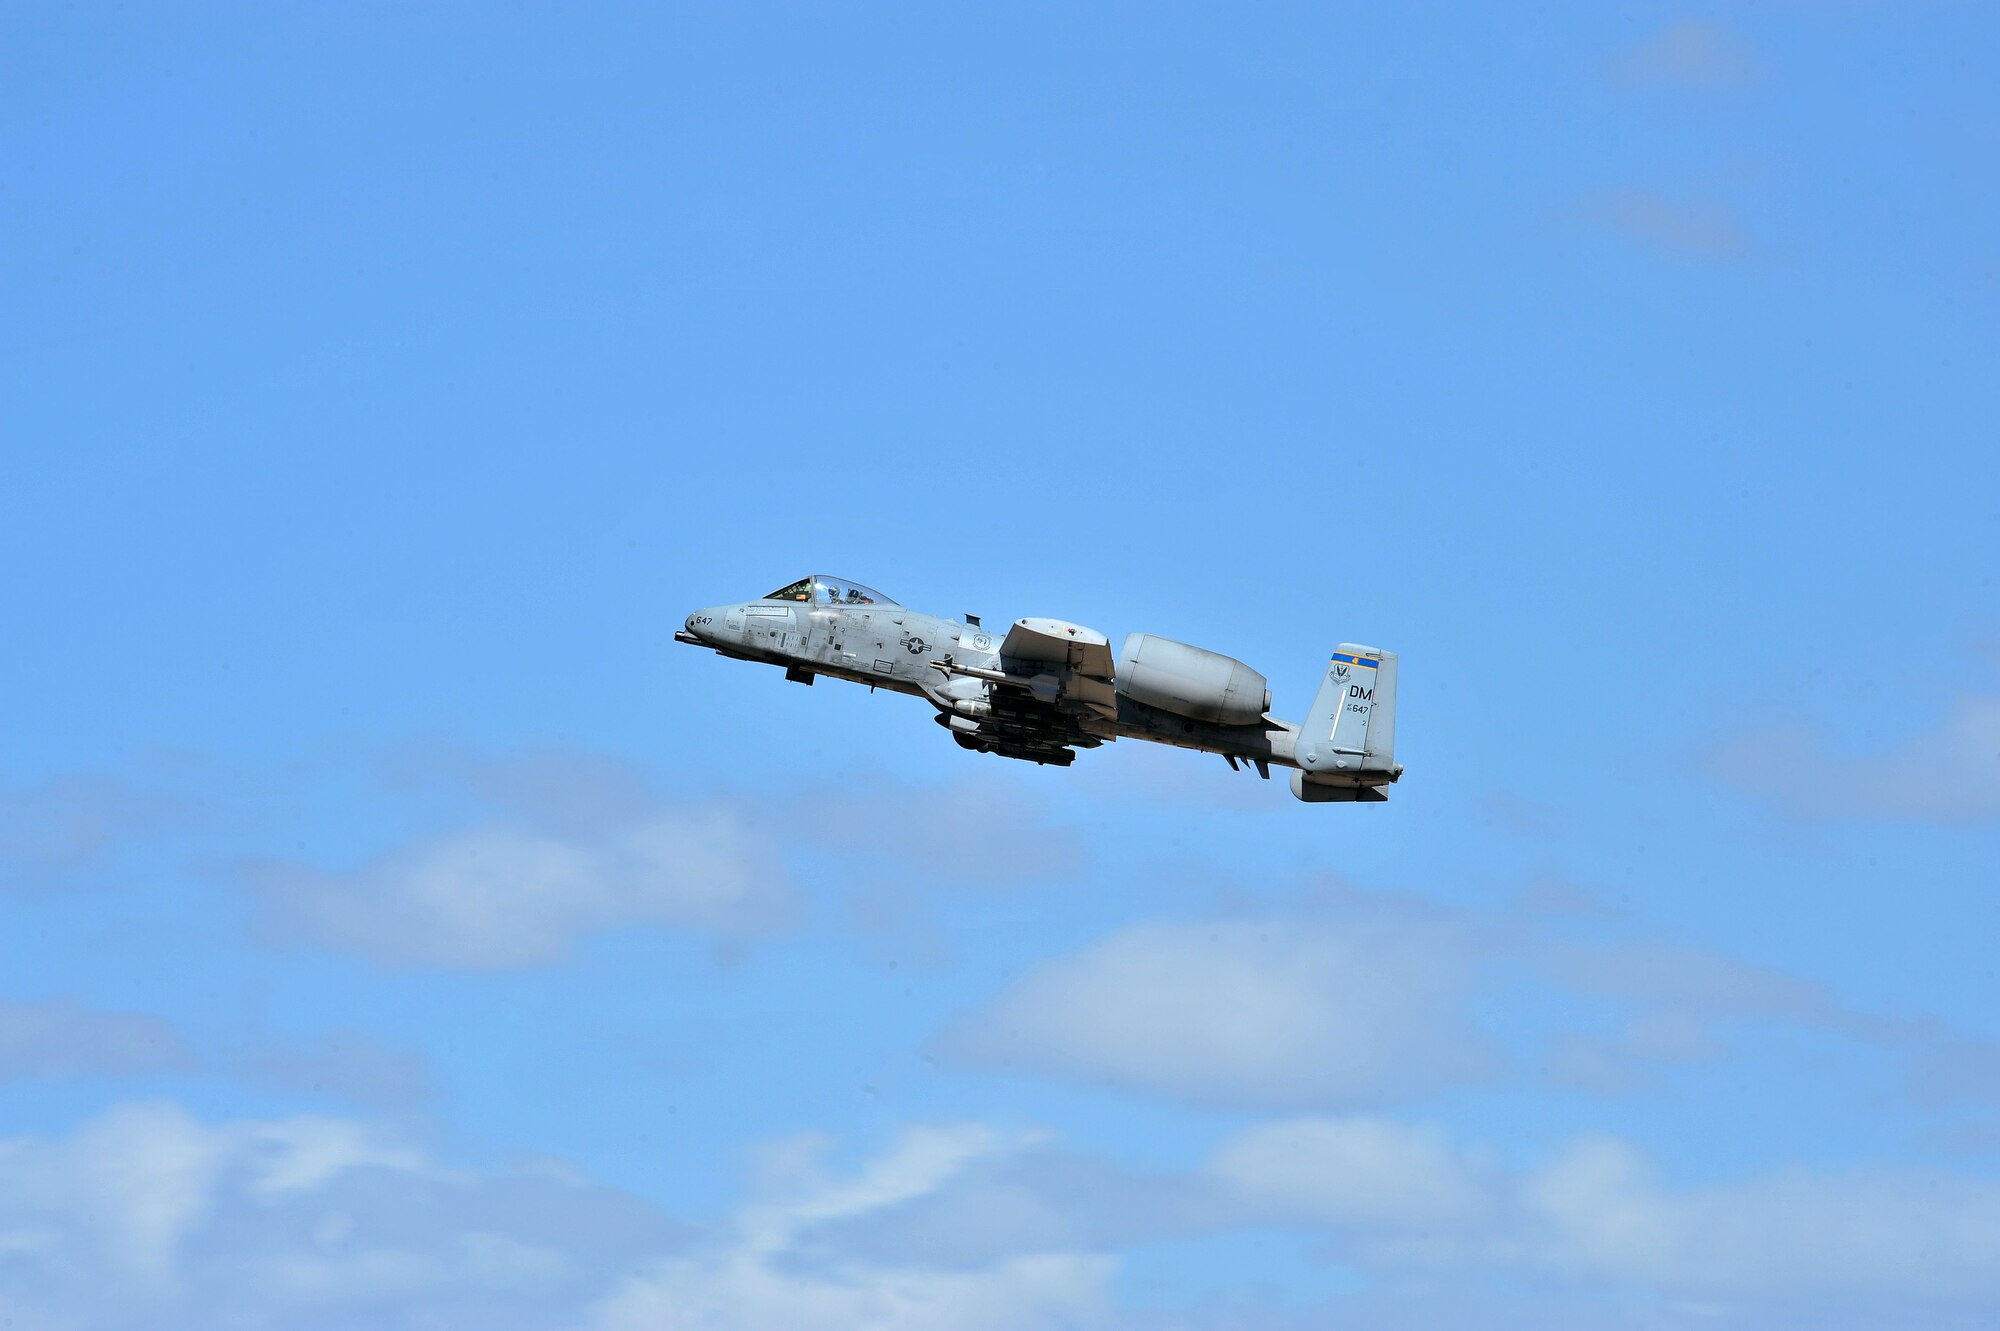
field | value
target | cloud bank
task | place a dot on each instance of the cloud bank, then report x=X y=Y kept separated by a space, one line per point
x=1370 y=999
x=1275 y=1012
x=146 y=1216
x=500 y=897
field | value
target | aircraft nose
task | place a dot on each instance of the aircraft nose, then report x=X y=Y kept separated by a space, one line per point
x=699 y=626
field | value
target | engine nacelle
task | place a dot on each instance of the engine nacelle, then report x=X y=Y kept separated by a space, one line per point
x=1190 y=682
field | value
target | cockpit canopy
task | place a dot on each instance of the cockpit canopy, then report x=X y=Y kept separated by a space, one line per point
x=820 y=589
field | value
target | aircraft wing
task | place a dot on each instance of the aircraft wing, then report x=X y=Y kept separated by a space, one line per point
x=1053 y=677
x=1057 y=646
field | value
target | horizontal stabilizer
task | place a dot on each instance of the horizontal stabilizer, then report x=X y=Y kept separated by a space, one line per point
x=1317 y=792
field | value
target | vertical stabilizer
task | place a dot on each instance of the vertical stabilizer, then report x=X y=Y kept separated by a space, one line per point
x=1349 y=736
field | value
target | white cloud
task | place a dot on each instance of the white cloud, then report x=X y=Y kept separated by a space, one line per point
x=1403 y=1205
x=128 y=1186
x=1282 y=1011
x=765 y=1272
x=1034 y=1197
x=1602 y=1213
x=578 y=844
x=727 y=1291
x=498 y=897
x=1949 y=773
x=985 y=829
x=301 y=1154
x=1354 y=1172
x=134 y=1181
x=1368 y=998
x=1596 y=1215
x=61 y=1038
x=146 y=1216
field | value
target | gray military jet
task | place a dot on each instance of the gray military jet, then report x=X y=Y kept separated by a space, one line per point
x=1048 y=688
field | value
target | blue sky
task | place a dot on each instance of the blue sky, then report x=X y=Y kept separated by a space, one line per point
x=398 y=929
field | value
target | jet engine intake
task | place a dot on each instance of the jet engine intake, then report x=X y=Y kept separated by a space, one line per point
x=1188 y=681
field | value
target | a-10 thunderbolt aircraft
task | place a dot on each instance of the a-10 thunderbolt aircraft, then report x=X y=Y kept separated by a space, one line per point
x=1048 y=688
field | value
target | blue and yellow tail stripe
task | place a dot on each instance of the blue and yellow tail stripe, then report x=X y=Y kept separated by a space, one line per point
x=1372 y=662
